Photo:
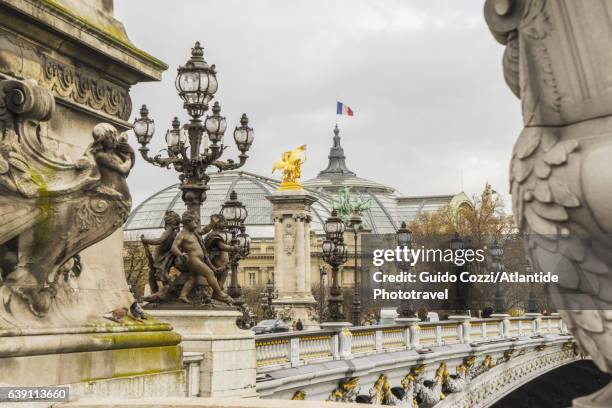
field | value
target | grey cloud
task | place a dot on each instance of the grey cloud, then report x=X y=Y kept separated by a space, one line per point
x=424 y=79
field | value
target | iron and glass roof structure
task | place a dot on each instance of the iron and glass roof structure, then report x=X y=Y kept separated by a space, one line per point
x=387 y=209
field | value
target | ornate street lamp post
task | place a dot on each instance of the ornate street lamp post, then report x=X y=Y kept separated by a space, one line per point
x=497 y=253
x=355 y=223
x=322 y=280
x=458 y=244
x=235 y=213
x=267 y=298
x=403 y=237
x=334 y=254
x=196 y=83
x=532 y=302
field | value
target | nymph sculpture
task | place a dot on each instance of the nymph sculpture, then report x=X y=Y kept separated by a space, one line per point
x=203 y=266
x=189 y=248
x=162 y=261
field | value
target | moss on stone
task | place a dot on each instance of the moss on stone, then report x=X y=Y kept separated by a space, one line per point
x=140 y=339
x=112 y=32
x=152 y=323
x=147 y=358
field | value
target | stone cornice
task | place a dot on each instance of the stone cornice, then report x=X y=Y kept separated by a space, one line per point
x=110 y=41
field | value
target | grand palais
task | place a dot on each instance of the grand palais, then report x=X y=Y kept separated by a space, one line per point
x=387 y=209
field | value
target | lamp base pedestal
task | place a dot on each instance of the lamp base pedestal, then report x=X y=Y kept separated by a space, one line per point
x=293 y=310
x=229 y=365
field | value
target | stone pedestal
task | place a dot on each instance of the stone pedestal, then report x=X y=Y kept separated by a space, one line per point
x=291 y=212
x=69 y=66
x=229 y=365
x=129 y=360
x=388 y=315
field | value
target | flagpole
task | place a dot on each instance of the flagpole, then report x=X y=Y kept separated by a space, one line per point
x=336 y=111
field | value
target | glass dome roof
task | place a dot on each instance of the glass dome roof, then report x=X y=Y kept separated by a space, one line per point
x=387 y=207
x=252 y=190
x=381 y=217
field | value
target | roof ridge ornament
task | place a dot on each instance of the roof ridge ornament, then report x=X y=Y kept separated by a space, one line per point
x=337 y=159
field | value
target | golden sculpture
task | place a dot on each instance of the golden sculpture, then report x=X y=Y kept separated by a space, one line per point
x=299 y=396
x=291 y=166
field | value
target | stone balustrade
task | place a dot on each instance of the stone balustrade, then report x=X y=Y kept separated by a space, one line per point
x=283 y=350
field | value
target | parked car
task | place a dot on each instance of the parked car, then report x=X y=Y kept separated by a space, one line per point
x=270 y=326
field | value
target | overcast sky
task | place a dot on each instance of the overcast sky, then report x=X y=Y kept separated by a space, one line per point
x=423 y=78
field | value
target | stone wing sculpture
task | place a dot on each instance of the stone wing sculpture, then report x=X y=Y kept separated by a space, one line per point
x=50 y=208
x=558 y=61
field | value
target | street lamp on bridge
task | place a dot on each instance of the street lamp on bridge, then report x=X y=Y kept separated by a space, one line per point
x=235 y=213
x=322 y=283
x=403 y=238
x=334 y=254
x=532 y=302
x=497 y=253
x=355 y=224
x=461 y=289
x=196 y=84
x=268 y=297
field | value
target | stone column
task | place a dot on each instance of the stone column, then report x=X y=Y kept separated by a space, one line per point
x=291 y=212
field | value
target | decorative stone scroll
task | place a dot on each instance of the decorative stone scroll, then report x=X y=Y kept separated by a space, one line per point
x=87 y=89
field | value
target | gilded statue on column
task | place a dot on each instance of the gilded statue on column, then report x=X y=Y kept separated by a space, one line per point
x=291 y=166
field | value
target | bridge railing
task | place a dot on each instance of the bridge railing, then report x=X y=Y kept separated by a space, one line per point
x=336 y=342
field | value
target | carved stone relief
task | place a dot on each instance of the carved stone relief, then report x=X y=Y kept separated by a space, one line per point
x=87 y=89
x=51 y=211
x=82 y=85
x=289 y=237
x=559 y=63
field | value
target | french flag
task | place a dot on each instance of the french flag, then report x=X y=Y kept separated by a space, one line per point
x=342 y=109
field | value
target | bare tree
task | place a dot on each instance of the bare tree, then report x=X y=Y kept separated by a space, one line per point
x=482 y=224
x=136 y=267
